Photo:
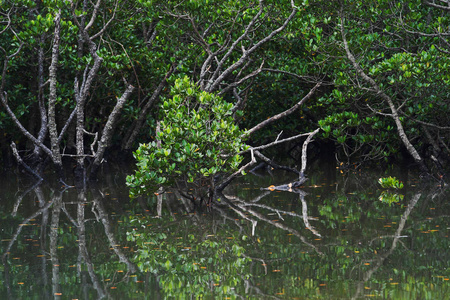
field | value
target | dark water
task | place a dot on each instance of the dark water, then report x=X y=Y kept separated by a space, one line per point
x=336 y=238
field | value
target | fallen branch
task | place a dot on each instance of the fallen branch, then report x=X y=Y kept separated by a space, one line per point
x=304 y=151
x=291 y=187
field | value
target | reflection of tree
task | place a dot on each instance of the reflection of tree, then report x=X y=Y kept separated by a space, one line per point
x=53 y=228
x=241 y=207
x=104 y=218
x=190 y=261
x=83 y=251
x=381 y=258
x=170 y=244
x=44 y=206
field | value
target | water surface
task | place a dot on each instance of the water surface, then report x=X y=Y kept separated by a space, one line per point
x=338 y=237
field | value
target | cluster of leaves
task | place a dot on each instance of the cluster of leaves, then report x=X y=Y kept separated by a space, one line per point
x=197 y=139
x=390 y=183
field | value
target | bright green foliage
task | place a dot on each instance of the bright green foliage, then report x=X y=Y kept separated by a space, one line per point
x=390 y=183
x=197 y=139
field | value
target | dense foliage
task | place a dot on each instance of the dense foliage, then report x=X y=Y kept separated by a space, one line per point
x=80 y=79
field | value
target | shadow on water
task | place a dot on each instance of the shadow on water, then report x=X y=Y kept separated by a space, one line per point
x=338 y=238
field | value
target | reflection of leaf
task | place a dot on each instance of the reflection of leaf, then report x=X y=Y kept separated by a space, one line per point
x=388 y=197
x=188 y=271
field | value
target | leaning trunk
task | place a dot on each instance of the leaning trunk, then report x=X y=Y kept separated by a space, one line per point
x=109 y=130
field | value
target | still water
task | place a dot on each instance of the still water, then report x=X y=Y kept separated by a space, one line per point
x=338 y=237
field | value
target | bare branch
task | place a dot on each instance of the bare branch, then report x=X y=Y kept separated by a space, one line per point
x=21 y=162
x=219 y=76
x=94 y=15
x=304 y=151
x=432 y=4
x=241 y=169
x=278 y=142
x=25 y=132
x=237 y=41
x=106 y=25
x=285 y=113
x=426 y=123
x=239 y=82
x=109 y=128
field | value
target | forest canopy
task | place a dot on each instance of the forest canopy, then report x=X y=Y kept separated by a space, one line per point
x=85 y=80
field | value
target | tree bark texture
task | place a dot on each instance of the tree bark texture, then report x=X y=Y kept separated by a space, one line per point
x=109 y=130
x=52 y=127
x=41 y=102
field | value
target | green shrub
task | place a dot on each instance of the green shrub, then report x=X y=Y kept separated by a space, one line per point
x=198 y=138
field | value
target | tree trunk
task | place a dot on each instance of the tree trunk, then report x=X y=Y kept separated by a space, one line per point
x=37 y=152
x=52 y=128
x=109 y=130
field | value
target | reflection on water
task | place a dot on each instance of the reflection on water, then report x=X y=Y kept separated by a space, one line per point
x=327 y=240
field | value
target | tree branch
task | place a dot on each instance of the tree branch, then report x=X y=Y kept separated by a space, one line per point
x=283 y=114
x=109 y=128
x=387 y=98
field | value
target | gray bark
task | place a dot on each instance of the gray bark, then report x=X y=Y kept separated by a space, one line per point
x=130 y=138
x=109 y=129
x=82 y=89
x=52 y=127
x=211 y=82
x=41 y=101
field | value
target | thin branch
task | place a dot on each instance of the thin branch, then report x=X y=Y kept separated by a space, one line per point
x=22 y=163
x=25 y=132
x=432 y=4
x=278 y=142
x=387 y=98
x=285 y=113
x=106 y=25
x=238 y=40
x=426 y=123
x=94 y=15
x=239 y=82
x=217 y=79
